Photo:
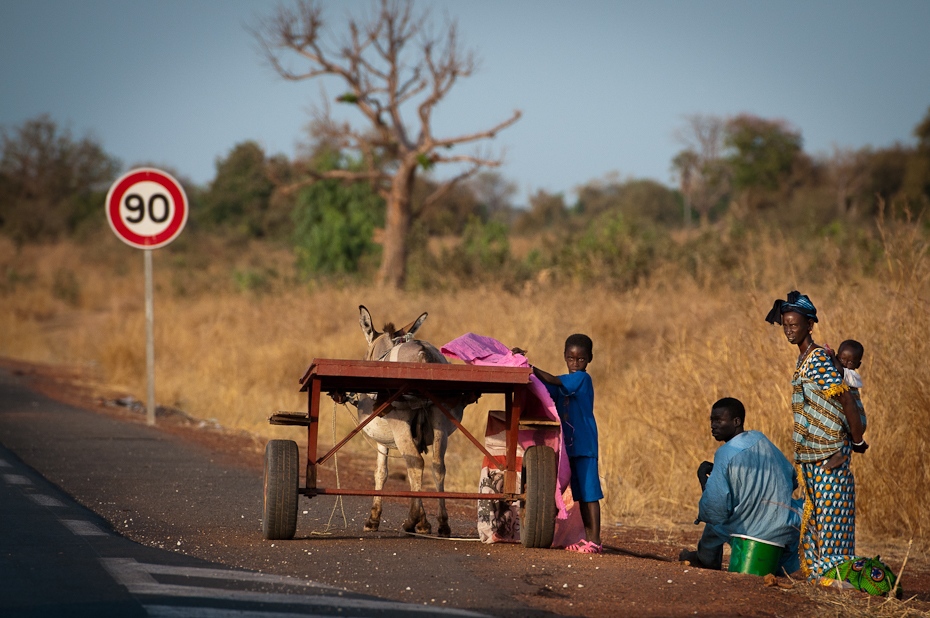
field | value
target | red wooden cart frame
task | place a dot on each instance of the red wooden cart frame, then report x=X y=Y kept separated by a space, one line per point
x=439 y=383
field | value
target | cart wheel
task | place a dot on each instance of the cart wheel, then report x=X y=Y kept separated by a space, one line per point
x=537 y=525
x=279 y=517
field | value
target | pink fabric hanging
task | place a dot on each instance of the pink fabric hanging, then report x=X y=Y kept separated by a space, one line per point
x=479 y=350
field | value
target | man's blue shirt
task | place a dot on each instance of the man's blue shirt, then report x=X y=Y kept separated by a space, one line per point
x=574 y=401
x=749 y=491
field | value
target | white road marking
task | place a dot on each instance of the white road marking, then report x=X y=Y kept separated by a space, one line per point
x=43 y=500
x=171 y=611
x=241 y=576
x=137 y=578
x=16 y=479
x=82 y=528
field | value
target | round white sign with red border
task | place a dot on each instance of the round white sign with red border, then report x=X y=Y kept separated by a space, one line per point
x=146 y=208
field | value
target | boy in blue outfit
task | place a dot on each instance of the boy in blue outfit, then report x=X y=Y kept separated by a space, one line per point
x=573 y=394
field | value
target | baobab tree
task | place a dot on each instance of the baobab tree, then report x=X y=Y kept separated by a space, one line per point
x=395 y=71
x=703 y=173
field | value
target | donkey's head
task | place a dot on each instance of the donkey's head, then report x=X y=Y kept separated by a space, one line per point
x=379 y=344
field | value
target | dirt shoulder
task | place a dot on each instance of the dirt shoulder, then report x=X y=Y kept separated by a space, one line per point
x=639 y=574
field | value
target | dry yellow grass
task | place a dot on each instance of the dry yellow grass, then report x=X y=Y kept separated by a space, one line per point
x=234 y=331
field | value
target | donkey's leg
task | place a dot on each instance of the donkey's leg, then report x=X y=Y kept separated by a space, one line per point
x=440 y=441
x=416 y=520
x=381 y=472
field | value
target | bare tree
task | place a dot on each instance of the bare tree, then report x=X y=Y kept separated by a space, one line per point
x=848 y=171
x=396 y=72
x=495 y=194
x=702 y=171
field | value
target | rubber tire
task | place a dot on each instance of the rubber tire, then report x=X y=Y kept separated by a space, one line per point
x=282 y=475
x=537 y=526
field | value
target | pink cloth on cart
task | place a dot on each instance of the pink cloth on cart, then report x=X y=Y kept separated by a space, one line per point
x=479 y=350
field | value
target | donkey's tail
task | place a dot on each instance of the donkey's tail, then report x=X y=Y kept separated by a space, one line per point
x=421 y=429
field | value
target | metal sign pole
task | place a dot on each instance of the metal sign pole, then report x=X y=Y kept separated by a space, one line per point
x=149 y=339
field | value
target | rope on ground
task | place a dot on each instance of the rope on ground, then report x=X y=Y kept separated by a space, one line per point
x=338 y=503
x=469 y=539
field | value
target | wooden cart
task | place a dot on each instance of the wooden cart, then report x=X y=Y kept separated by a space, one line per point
x=436 y=382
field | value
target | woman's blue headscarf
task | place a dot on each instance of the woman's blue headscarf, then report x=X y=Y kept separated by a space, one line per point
x=797 y=302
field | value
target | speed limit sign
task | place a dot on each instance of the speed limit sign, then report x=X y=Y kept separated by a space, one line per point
x=146 y=208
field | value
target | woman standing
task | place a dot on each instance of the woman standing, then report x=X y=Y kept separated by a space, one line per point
x=827 y=428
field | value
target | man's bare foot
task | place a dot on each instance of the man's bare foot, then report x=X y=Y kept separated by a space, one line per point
x=691 y=557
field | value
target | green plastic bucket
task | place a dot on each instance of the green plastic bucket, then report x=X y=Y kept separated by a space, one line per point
x=752 y=555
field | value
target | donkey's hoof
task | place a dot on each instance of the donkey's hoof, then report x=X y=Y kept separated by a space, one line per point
x=372 y=525
x=444 y=530
x=409 y=526
x=424 y=527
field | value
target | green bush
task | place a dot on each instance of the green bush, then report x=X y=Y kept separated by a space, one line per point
x=256 y=280
x=334 y=226
x=614 y=248
x=483 y=256
x=485 y=246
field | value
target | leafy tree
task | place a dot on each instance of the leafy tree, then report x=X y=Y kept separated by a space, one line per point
x=763 y=154
x=922 y=133
x=50 y=183
x=396 y=71
x=645 y=200
x=611 y=248
x=240 y=194
x=887 y=169
x=649 y=200
x=485 y=245
x=546 y=210
x=917 y=176
x=334 y=223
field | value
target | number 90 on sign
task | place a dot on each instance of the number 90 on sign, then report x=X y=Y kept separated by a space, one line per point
x=146 y=208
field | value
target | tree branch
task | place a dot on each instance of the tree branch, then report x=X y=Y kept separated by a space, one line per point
x=443 y=189
x=315 y=176
x=479 y=161
x=490 y=133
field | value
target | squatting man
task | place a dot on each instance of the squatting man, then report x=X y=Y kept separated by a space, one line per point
x=746 y=491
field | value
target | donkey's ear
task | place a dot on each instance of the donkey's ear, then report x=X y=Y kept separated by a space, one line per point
x=364 y=320
x=411 y=329
x=405 y=329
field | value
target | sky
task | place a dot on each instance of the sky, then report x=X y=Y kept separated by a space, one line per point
x=603 y=86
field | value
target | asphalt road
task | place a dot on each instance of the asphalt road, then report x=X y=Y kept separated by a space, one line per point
x=60 y=559
x=104 y=517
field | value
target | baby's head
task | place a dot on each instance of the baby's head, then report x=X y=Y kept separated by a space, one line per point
x=579 y=351
x=849 y=354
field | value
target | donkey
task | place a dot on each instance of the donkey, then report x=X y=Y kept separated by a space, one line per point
x=411 y=426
